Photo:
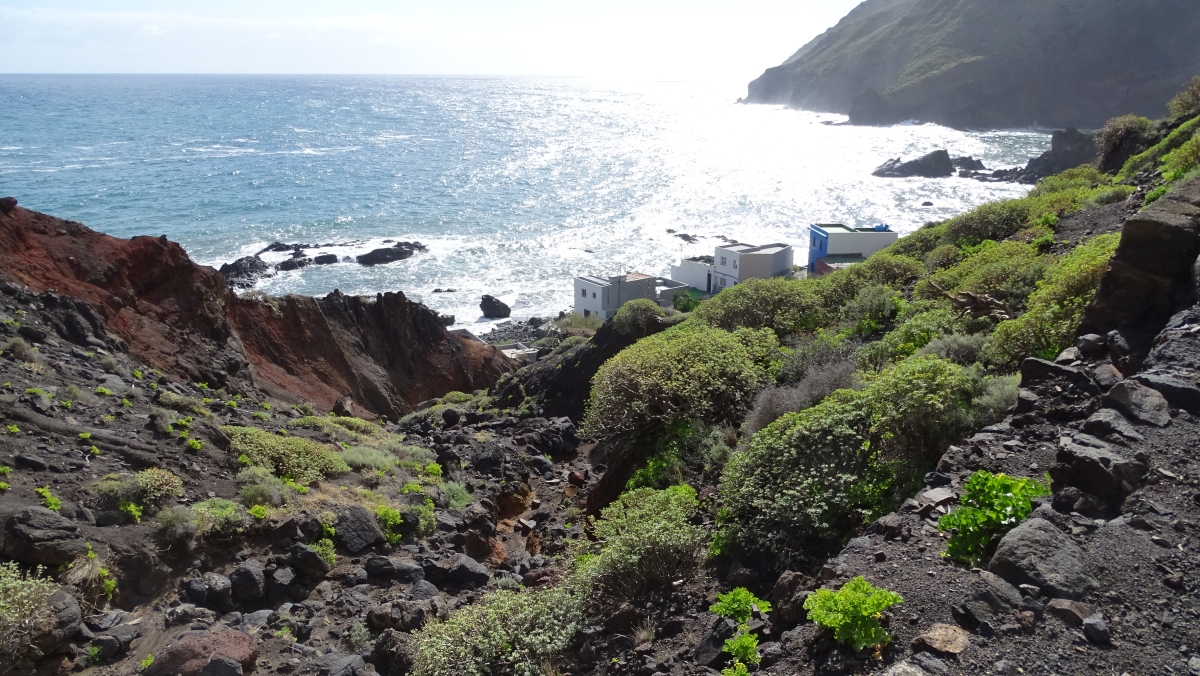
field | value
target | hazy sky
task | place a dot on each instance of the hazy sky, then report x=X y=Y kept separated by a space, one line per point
x=650 y=39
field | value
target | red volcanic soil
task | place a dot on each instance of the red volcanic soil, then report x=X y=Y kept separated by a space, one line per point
x=146 y=296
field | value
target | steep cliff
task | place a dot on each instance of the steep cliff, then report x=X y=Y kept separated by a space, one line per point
x=980 y=64
x=146 y=295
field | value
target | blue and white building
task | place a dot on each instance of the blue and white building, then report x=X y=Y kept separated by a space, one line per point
x=833 y=245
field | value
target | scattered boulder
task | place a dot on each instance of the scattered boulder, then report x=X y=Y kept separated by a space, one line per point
x=245 y=271
x=1096 y=629
x=221 y=665
x=936 y=164
x=942 y=638
x=357 y=529
x=7 y=204
x=1096 y=469
x=325 y=259
x=36 y=535
x=1037 y=553
x=67 y=618
x=423 y=589
x=1107 y=422
x=338 y=664
x=344 y=406
x=308 y=562
x=788 y=596
x=393 y=653
x=397 y=252
x=991 y=601
x=1139 y=402
x=219 y=591
x=468 y=573
x=494 y=308
x=293 y=264
x=247 y=582
x=194 y=651
x=1073 y=613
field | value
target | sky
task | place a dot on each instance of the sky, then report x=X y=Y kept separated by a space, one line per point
x=696 y=40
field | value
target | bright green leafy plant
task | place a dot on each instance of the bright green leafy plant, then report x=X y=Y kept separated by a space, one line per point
x=48 y=500
x=739 y=604
x=852 y=613
x=743 y=646
x=992 y=505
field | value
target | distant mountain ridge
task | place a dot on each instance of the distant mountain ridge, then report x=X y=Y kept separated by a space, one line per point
x=993 y=63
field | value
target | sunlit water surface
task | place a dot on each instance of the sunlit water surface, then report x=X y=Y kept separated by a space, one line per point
x=515 y=185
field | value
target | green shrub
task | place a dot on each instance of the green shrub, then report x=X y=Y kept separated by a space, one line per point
x=1116 y=130
x=739 y=604
x=260 y=487
x=259 y=512
x=170 y=400
x=217 y=514
x=873 y=307
x=360 y=457
x=325 y=549
x=920 y=243
x=943 y=257
x=24 y=610
x=178 y=523
x=1158 y=192
x=635 y=316
x=505 y=632
x=816 y=474
x=1059 y=195
x=1150 y=158
x=911 y=335
x=459 y=497
x=647 y=536
x=962 y=349
x=785 y=306
x=1056 y=308
x=359 y=426
x=684 y=301
x=156 y=486
x=1187 y=102
x=356 y=636
x=302 y=460
x=49 y=501
x=568 y=343
x=130 y=509
x=991 y=505
x=576 y=322
x=1008 y=271
x=743 y=646
x=1179 y=162
x=145 y=662
x=691 y=372
x=852 y=613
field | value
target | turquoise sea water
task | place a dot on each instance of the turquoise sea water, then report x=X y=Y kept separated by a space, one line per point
x=515 y=185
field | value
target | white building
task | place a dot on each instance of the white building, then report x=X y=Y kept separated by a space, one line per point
x=833 y=245
x=731 y=263
x=603 y=296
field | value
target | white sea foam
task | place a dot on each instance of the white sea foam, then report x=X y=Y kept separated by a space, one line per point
x=514 y=185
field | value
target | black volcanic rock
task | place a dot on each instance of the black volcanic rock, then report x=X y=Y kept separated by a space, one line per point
x=325 y=259
x=398 y=252
x=936 y=164
x=294 y=264
x=245 y=271
x=494 y=308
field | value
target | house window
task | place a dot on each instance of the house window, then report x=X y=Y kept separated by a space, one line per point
x=735 y=264
x=593 y=294
x=722 y=261
x=587 y=313
x=583 y=292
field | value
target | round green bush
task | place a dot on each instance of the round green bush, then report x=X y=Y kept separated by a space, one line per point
x=688 y=371
x=635 y=316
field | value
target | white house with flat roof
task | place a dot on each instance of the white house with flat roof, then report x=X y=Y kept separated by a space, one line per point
x=732 y=263
x=833 y=245
x=603 y=296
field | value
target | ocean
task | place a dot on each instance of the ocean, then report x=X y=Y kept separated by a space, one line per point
x=515 y=185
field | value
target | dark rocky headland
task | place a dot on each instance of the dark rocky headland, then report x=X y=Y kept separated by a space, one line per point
x=993 y=423
x=986 y=65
